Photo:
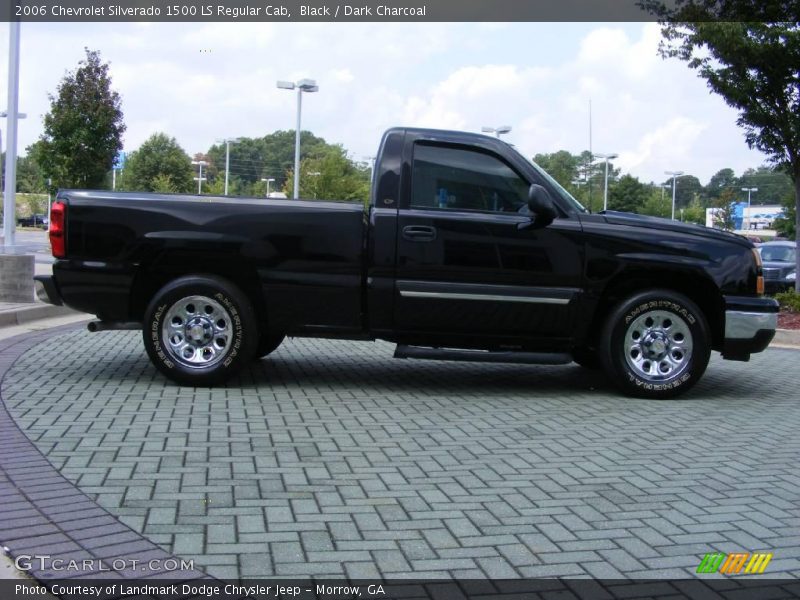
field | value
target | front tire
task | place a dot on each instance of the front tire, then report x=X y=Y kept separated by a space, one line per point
x=268 y=344
x=655 y=344
x=199 y=330
x=586 y=358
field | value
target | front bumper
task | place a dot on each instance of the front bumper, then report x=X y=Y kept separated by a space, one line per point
x=46 y=290
x=750 y=325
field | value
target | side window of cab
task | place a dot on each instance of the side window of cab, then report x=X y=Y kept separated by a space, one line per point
x=450 y=178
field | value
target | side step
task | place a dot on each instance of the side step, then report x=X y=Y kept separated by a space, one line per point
x=528 y=358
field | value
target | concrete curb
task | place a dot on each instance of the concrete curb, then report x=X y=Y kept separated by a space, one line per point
x=786 y=337
x=35 y=312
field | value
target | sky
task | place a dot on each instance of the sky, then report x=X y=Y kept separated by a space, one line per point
x=201 y=82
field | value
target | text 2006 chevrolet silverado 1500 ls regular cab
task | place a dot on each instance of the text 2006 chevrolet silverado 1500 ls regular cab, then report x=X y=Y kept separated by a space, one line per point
x=467 y=252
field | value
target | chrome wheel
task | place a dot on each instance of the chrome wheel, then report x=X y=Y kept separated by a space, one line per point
x=658 y=345
x=196 y=332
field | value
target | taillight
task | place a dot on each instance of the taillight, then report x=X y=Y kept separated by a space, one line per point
x=58 y=238
x=759 y=273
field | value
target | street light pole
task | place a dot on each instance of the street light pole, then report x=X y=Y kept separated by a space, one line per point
x=227 y=163
x=268 y=180
x=200 y=179
x=607 y=157
x=497 y=131
x=749 y=190
x=308 y=86
x=9 y=197
x=675 y=175
x=315 y=174
x=228 y=142
x=296 y=188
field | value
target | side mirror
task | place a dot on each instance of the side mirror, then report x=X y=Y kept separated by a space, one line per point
x=541 y=205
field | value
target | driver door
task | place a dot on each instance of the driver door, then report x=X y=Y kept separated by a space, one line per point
x=470 y=269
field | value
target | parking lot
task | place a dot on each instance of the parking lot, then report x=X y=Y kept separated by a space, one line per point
x=331 y=458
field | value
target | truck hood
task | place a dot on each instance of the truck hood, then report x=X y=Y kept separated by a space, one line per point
x=634 y=220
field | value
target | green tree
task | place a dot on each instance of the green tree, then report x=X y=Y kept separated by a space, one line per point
x=687 y=189
x=253 y=159
x=657 y=204
x=331 y=175
x=561 y=166
x=787 y=224
x=628 y=194
x=773 y=185
x=163 y=183
x=31 y=204
x=723 y=209
x=722 y=179
x=694 y=213
x=83 y=130
x=158 y=160
x=579 y=174
x=30 y=178
x=748 y=52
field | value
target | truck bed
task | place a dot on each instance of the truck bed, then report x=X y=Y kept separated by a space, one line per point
x=117 y=242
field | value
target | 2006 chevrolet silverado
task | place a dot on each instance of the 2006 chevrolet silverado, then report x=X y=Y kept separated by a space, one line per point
x=467 y=251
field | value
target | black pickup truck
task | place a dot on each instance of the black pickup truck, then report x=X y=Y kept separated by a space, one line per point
x=467 y=251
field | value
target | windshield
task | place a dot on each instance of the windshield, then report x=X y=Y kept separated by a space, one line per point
x=785 y=254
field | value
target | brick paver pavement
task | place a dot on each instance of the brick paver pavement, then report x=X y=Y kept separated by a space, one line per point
x=330 y=458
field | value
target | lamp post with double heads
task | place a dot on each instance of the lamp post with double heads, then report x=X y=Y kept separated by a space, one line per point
x=606 y=157
x=497 y=131
x=268 y=180
x=200 y=179
x=304 y=85
x=674 y=175
x=228 y=142
x=749 y=190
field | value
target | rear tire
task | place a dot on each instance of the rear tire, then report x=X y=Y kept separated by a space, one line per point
x=200 y=330
x=655 y=344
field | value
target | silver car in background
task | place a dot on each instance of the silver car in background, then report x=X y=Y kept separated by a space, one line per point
x=780 y=266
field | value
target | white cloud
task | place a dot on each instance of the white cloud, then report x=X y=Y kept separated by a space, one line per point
x=201 y=82
x=343 y=75
x=667 y=145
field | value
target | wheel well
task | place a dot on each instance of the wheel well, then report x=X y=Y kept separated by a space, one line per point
x=699 y=290
x=150 y=280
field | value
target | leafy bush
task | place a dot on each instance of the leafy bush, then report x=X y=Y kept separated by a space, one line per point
x=789 y=300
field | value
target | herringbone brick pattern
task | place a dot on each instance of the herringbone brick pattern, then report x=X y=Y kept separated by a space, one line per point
x=332 y=458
